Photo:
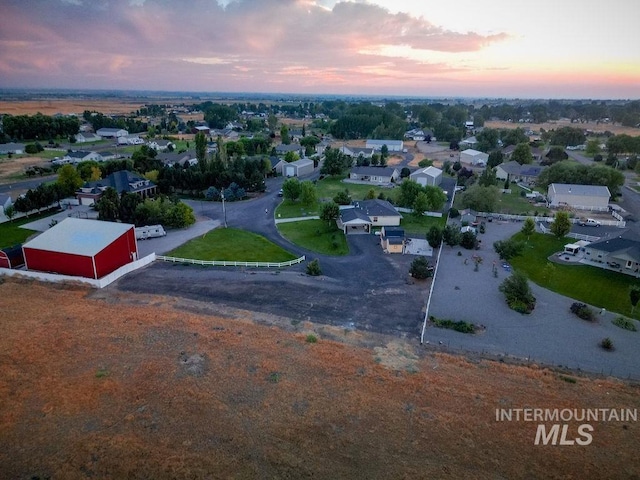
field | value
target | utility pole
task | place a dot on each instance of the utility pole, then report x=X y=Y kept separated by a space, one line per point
x=224 y=210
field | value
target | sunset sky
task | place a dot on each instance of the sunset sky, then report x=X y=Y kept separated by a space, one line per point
x=470 y=48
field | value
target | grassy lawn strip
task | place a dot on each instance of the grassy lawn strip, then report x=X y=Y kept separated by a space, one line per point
x=11 y=233
x=315 y=235
x=289 y=209
x=329 y=187
x=592 y=285
x=415 y=225
x=232 y=245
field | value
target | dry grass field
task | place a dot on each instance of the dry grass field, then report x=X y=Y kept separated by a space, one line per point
x=594 y=127
x=104 y=384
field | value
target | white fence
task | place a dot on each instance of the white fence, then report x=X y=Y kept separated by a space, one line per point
x=223 y=263
x=577 y=236
x=99 y=283
x=426 y=214
x=501 y=216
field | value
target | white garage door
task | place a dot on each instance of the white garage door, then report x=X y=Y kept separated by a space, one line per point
x=289 y=171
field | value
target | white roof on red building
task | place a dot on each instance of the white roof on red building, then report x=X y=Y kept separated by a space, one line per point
x=79 y=236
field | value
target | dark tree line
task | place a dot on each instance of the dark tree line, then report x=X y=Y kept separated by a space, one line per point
x=38 y=126
x=99 y=120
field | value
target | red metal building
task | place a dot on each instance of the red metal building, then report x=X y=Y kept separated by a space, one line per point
x=84 y=248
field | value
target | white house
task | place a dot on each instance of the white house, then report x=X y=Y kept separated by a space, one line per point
x=356 y=152
x=515 y=172
x=392 y=145
x=112 y=132
x=427 y=176
x=582 y=197
x=362 y=215
x=161 y=145
x=374 y=174
x=86 y=137
x=470 y=142
x=133 y=139
x=474 y=157
x=79 y=156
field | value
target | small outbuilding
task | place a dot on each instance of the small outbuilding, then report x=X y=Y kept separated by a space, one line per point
x=84 y=248
x=392 y=239
x=474 y=157
x=301 y=167
x=427 y=176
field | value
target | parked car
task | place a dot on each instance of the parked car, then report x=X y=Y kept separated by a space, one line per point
x=588 y=222
x=280 y=193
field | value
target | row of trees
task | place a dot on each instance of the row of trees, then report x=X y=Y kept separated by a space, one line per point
x=38 y=126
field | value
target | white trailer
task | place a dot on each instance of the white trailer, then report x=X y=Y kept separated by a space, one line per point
x=150 y=231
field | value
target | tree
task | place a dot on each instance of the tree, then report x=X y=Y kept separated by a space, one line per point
x=284 y=135
x=108 y=206
x=518 y=293
x=10 y=212
x=420 y=204
x=371 y=194
x=593 y=147
x=309 y=194
x=488 y=178
x=291 y=157
x=554 y=155
x=69 y=180
x=405 y=172
x=495 y=158
x=201 y=151
x=129 y=201
x=329 y=212
x=342 y=198
x=528 y=227
x=634 y=296
x=434 y=236
x=420 y=268
x=522 y=154
x=313 y=268
x=451 y=235
x=335 y=162
x=561 y=225
x=468 y=240
x=507 y=249
x=291 y=189
x=409 y=190
x=479 y=198
x=272 y=122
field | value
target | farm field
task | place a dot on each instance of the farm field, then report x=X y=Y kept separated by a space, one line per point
x=121 y=385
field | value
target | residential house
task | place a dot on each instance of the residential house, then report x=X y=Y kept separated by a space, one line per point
x=427 y=176
x=470 y=142
x=417 y=134
x=87 y=137
x=474 y=157
x=283 y=149
x=120 y=181
x=79 y=156
x=201 y=129
x=356 y=152
x=301 y=167
x=13 y=148
x=621 y=254
x=276 y=164
x=362 y=215
x=392 y=145
x=377 y=175
x=515 y=172
x=106 y=156
x=184 y=159
x=160 y=145
x=112 y=132
x=133 y=139
x=582 y=197
x=392 y=239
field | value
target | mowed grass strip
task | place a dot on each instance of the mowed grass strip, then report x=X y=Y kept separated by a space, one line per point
x=233 y=245
x=11 y=233
x=592 y=285
x=315 y=235
x=329 y=187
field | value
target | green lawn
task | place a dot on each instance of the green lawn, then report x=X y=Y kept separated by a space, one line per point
x=593 y=285
x=11 y=233
x=510 y=203
x=232 y=245
x=328 y=187
x=419 y=225
x=289 y=209
x=315 y=235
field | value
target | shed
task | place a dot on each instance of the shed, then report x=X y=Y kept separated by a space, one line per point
x=392 y=145
x=298 y=168
x=571 y=248
x=427 y=176
x=392 y=239
x=474 y=157
x=84 y=248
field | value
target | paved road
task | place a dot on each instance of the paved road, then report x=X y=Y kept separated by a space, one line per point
x=550 y=335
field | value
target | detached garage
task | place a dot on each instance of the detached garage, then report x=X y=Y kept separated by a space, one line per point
x=84 y=248
x=298 y=168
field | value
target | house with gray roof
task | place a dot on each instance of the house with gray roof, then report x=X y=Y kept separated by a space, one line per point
x=283 y=149
x=427 y=176
x=375 y=175
x=356 y=152
x=79 y=156
x=361 y=216
x=515 y=172
x=112 y=132
x=121 y=181
x=621 y=254
x=581 y=197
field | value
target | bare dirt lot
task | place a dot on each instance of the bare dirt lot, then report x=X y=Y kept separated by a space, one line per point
x=68 y=106
x=118 y=385
x=11 y=167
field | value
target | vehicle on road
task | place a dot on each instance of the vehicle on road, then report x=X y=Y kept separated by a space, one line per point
x=280 y=193
x=588 y=222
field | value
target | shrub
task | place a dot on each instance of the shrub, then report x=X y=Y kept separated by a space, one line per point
x=517 y=293
x=311 y=338
x=459 y=326
x=607 y=343
x=625 y=323
x=454 y=213
x=313 y=268
x=420 y=268
x=582 y=311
